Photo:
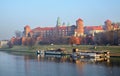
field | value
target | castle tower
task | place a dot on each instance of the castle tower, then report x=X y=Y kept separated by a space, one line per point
x=108 y=25
x=79 y=31
x=27 y=30
x=58 y=22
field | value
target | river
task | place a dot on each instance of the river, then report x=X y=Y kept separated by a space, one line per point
x=35 y=65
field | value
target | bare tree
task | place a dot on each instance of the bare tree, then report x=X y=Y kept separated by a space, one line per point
x=18 y=33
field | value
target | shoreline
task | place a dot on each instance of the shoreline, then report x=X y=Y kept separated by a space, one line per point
x=114 y=54
x=34 y=52
x=114 y=50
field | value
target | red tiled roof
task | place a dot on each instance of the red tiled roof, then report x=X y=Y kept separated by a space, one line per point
x=48 y=28
x=108 y=20
x=79 y=19
x=93 y=28
x=35 y=29
x=27 y=26
x=42 y=29
x=115 y=26
x=31 y=31
x=62 y=27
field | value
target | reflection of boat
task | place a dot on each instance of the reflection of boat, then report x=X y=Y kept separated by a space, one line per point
x=92 y=59
x=68 y=58
x=57 y=56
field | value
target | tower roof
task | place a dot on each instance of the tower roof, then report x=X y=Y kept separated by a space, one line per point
x=93 y=28
x=27 y=26
x=58 y=22
x=79 y=19
x=108 y=20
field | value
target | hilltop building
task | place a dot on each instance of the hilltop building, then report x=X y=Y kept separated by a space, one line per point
x=92 y=30
x=110 y=26
x=26 y=30
x=3 y=43
x=58 y=22
x=50 y=34
x=45 y=32
x=79 y=31
x=59 y=30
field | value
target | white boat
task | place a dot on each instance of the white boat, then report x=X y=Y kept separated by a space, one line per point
x=39 y=52
x=53 y=52
x=93 y=54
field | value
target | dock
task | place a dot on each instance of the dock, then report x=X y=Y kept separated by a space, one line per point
x=114 y=54
x=94 y=54
x=90 y=54
x=76 y=53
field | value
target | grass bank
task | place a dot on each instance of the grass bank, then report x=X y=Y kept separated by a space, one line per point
x=113 y=49
x=68 y=48
x=18 y=50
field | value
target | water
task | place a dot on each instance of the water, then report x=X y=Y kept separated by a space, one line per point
x=33 y=65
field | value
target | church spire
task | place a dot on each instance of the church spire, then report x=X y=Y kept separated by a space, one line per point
x=68 y=24
x=58 y=22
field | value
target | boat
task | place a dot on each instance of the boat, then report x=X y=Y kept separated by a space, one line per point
x=39 y=52
x=75 y=53
x=53 y=52
x=89 y=54
x=94 y=54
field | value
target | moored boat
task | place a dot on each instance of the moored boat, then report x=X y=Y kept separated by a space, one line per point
x=54 y=52
x=89 y=54
x=39 y=52
x=94 y=54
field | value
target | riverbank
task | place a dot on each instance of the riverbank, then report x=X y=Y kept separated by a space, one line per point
x=18 y=50
x=114 y=50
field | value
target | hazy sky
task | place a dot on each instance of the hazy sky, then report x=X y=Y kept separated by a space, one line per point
x=15 y=14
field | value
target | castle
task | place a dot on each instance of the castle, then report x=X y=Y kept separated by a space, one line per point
x=61 y=30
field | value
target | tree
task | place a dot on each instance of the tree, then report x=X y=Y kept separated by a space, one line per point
x=10 y=44
x=75 y=40
x=30 y=41
x=89 y=39
x=107 y=38
x=18 y=33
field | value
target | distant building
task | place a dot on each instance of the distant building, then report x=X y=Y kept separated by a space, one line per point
x=79 y=31
x=15 y=41
x=45 y=32
x=26 y=30
x=49 y=32
x=115 y=26
x=3 y=43
x=92 y=30
x=110 y=26
x=58 y=22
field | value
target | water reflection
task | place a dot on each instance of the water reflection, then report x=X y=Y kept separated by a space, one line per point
x=38 y=65
x=82 y=67
x=67 y=58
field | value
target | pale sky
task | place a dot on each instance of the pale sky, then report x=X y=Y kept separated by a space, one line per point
x=15 y=14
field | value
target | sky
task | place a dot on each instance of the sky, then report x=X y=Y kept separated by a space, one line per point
x=15 y=14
